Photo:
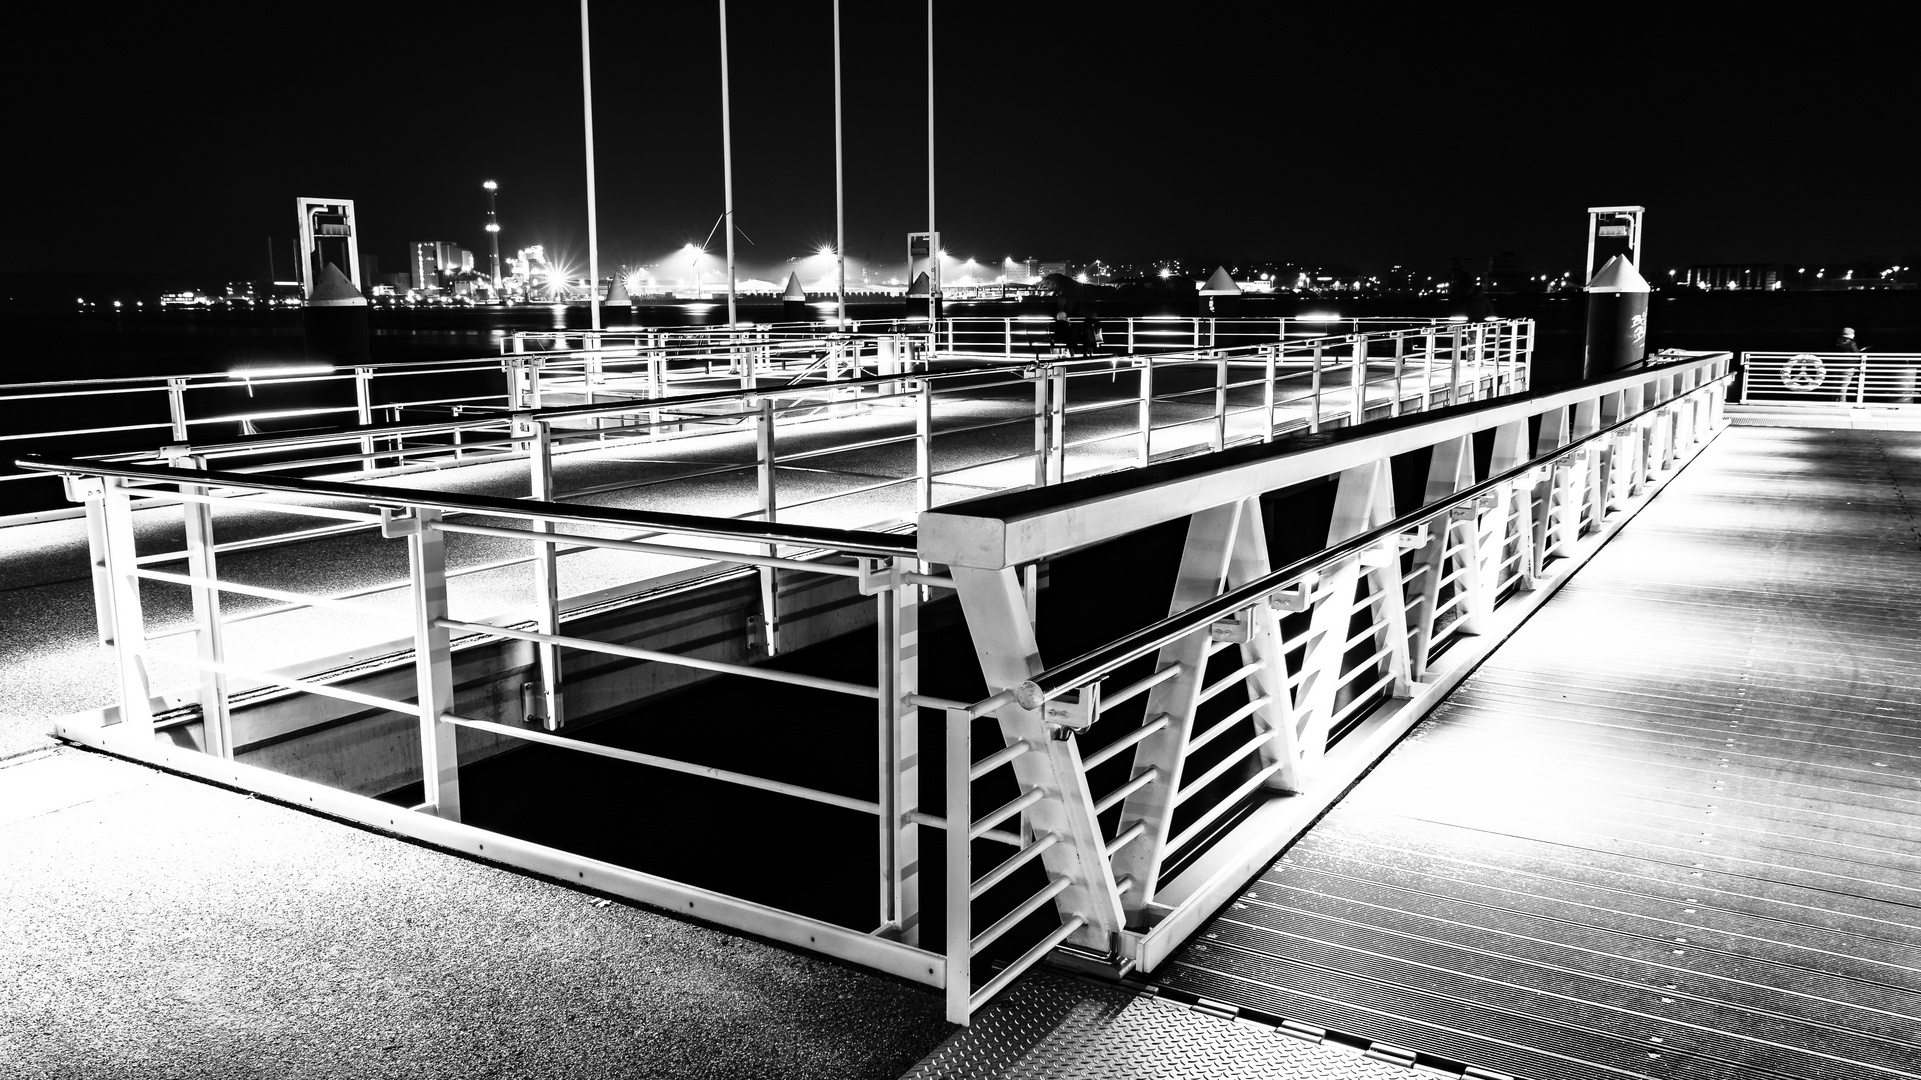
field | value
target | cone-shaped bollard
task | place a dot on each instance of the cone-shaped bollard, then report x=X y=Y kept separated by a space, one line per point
x=335 y=320
x=1617 y=318
x=920 y=296
x=1220 y=297
x=619 y=298
x=793 y=302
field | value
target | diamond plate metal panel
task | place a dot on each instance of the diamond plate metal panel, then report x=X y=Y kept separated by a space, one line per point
x=1048 y=1025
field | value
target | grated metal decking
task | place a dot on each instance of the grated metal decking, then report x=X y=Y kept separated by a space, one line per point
x=1670 y=829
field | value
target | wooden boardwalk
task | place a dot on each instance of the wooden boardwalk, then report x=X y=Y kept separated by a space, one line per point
x=1671 y=829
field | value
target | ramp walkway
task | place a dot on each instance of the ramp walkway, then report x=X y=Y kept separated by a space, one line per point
x=1668 y=829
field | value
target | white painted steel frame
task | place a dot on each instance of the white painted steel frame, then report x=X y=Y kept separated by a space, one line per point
x=1471 y=525
x=1062 y=830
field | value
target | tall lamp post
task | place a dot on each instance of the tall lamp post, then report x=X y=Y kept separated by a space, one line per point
x=493 y=233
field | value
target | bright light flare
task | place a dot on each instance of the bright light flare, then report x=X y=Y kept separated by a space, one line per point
x=273 y=371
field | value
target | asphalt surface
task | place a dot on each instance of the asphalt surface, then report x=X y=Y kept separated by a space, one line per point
x=155 y=926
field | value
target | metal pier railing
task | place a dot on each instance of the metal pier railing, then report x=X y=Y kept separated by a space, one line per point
x=1247 y=705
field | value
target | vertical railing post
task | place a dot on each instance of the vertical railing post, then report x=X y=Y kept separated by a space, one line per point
x=1146 y=411
x=1314 y=403
x=1007 y=337
x=924 y=447
x=433 y=662
x=1400 y=362
x=1042 y=380
x=1357 y=409
x=1454 y=368
x=1269 y=357
x=1057 y=427
x=1480 y=360
x=769 y=508
x=539 y=441
x=364 y=413
x=897 y=630
x=1220 y=399
x=129 y=621
x=960 y=868
x=1197 y=334
x=1427 y=369
x=209 y=633
x=88 y=492
x=1130 y=335
x=177 y=407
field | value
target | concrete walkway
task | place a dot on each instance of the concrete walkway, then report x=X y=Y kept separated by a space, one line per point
x=160 y=927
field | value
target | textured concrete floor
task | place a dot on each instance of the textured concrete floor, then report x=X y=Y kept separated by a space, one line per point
x=156 y=926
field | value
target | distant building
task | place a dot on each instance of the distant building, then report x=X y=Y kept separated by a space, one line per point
x=435 y=261
x=1734 y=276
x=1504 y=273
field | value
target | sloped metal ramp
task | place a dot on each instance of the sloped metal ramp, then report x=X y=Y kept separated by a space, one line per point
x=1668 y=830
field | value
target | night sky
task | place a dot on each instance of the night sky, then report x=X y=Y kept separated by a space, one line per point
x=173 y=139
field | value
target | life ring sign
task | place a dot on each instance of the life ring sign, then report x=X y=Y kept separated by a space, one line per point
x=1803 y=372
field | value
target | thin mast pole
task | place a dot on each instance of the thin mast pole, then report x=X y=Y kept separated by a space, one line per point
x=727 y=164
x=933 y=237
x=593 y=219
x=840 y=201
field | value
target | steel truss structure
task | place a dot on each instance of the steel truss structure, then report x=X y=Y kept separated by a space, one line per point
x=1137 y=828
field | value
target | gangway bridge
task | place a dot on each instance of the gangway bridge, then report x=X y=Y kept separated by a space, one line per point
x=997 y=677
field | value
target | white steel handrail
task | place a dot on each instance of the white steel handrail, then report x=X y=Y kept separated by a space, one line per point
x=1097 y=664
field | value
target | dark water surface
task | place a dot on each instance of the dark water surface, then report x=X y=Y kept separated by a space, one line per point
x=107 y=344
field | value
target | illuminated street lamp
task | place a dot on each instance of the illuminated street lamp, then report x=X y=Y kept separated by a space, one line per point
x=694 y=252
x=493 y=231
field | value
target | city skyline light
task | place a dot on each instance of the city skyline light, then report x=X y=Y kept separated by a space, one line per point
x=1431 y=138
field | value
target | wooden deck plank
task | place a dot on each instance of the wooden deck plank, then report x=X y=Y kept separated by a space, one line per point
x=1671 y=829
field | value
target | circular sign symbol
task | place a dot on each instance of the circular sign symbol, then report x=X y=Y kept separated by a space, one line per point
x=1803 y=373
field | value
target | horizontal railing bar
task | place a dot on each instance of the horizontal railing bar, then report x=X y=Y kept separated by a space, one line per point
x=1226 y=724
x=1029 y=906
x=644 y=548
x=273 y=679
x=868 y=543
x=299 y=599
x=925 y=701
x=935 y=821
x=1098 y=662
x=1027 y=960
x=1007 y=810
x=1132 y=833
x=1362 y=667
x=996 y=759
x=1140 y=686
x=984 y=464
x=1238 y=675
x=1113 y=798
x=1106 y=753
x=1232 y=759
x=1233 y=799
x=849 y=493
x=269 y=505
x=791 y=678
x=729 y=776
x=162 y=425
x=1361 y=697
x=998 y=874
